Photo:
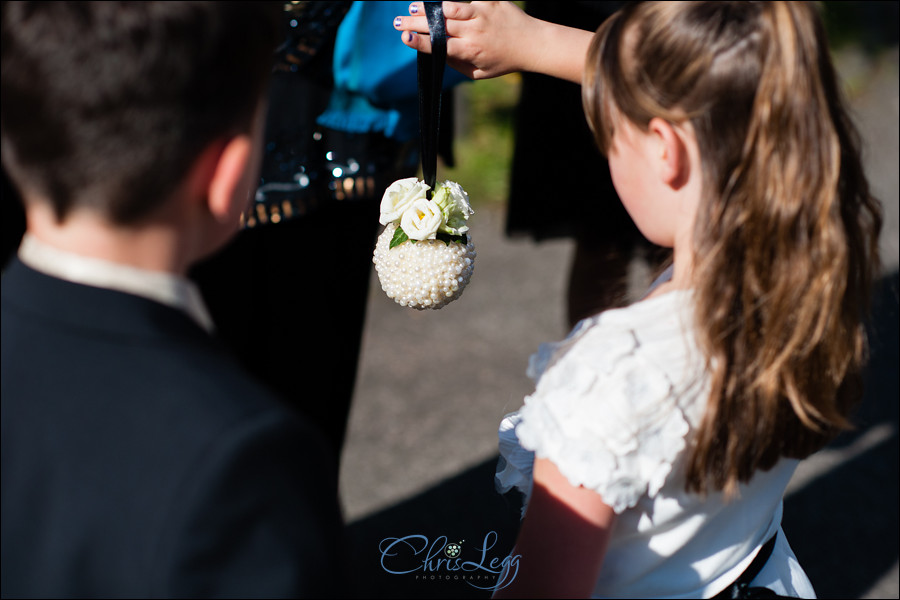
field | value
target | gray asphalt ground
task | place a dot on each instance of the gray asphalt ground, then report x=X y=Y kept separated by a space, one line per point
x=433 y=386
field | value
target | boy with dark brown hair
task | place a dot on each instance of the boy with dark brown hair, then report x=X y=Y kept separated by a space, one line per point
x=138 y=459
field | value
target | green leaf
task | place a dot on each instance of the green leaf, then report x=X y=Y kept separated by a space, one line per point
x=399 y=237
x=447 y=238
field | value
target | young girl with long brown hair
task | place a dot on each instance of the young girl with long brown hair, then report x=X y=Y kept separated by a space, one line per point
x=659 y=441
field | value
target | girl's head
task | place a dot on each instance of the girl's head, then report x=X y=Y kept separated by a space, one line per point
x=696 y=62
x=785 y=237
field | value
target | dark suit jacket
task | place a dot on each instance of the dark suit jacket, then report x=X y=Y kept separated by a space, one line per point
x=139 y=461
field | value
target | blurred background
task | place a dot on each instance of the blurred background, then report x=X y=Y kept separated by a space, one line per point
x=432 y=386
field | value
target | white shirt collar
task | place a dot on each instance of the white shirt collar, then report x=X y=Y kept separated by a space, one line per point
x=168 y=288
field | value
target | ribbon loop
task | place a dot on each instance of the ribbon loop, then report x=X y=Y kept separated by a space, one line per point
x=430 y=73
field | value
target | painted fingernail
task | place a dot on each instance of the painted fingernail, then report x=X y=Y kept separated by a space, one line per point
x=413 y=9
x=409 y=36
x=398 y=22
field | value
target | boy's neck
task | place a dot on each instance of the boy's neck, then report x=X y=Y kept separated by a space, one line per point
x=154 y=246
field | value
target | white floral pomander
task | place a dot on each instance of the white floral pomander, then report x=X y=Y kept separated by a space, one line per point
x=424 y=257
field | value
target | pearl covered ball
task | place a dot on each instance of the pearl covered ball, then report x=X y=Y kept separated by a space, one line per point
x=424 y=274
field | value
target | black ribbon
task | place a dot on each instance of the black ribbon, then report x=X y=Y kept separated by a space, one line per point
x=430 y=73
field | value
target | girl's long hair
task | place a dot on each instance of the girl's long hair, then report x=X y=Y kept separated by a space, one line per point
x=786 y=235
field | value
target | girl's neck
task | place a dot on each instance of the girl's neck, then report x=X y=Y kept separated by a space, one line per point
x=682 y=268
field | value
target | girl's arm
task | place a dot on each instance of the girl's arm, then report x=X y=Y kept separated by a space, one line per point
x=489 y=39
x=562 y=540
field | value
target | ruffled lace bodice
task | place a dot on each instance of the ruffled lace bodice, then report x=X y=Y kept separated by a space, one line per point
x=613 y=405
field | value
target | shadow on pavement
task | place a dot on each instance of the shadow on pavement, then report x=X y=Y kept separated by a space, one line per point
x=843 y=526
x=465 y=510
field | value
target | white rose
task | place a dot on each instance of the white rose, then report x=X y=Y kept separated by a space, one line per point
x=399 y=197
x=422 y=220
x=454 y=203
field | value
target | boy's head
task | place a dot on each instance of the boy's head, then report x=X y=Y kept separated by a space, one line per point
x=108 y=105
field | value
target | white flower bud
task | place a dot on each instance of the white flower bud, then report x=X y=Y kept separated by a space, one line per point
x=454 y=203
x=422 y=220
x=399 y=197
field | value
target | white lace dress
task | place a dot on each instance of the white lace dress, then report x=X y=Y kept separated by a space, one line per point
x=614 y=408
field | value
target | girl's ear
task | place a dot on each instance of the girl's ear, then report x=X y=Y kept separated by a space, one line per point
x=673 y=164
